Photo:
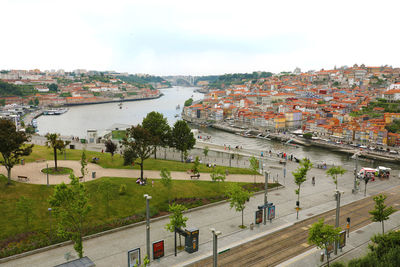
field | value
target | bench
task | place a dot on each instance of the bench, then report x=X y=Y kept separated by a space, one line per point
x=195 y=176
x=95 y=160
x=40 y=160
x=20 y=178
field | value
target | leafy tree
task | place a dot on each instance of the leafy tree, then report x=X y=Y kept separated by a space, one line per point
x=30 y=103
x=107 y=194
x=218 y=175
x=54 y=141
x=381 y=212
x=382 y=243
x=188 y=102
x=53 y=87
x=2 y=102
x=334 y=172
x=322 y=235
x=83 y=164
x=182 y=138
x=12 y=145
x=177 y=220
x=158 y=126
x=237 y=198
x=138 y=144
x=70 y=204
x=166 y=180
x=111 y=147
x=196 y=164
x=254 y=165
x=307 y=136
x=300 y=175
x=25 y=208
x=205 y=151
x=36 y=101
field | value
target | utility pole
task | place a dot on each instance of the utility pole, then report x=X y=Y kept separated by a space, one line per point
x=266 y=175
x=147 y=224
x=337 y=216
x=355 y=174
x=215 y=246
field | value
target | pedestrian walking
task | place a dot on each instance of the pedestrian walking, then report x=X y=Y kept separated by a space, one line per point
x=313 y=181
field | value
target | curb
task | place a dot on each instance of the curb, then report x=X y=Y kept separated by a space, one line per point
x=62 y=244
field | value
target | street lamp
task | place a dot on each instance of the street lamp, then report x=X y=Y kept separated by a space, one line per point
x=215 y=247
x=147 y=197
x=51 y=235
x=337 y=195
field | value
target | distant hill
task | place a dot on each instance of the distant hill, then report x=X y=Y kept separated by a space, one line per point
x=8 y=89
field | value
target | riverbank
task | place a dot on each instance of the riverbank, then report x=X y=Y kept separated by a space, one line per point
x=114 y=100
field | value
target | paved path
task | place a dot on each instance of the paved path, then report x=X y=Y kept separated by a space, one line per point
x=33 y=172
x=111 y=249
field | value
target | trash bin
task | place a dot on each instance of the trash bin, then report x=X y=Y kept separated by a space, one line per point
x=22 y=162
x=71 y=146
x=251 y=226
x=192 y=240
x=93 y=175
x=83 y=141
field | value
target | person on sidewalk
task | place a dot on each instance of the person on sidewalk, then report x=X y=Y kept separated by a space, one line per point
x=313 y=181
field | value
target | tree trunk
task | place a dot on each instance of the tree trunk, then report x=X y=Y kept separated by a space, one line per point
x=180 y=243
x=242 y=217
x=9 y=175
x=155 y=152
x=181 y=156
x=141 y=170
x=383 y=228
x=55 y=159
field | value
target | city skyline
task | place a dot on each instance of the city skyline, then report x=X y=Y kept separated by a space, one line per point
x=171 y=38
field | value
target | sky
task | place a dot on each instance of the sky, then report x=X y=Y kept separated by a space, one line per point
x=197 y=37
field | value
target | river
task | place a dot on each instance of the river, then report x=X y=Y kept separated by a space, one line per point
x=101 y=117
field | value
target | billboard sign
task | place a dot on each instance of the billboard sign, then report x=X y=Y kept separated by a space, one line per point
x=134 y=257
x=259 y=216
x=271 y=212
x=158 y=249
x=342 y=239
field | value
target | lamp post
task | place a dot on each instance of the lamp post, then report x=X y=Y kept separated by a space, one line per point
x=337 y=194
x=147 y=224
x=215 y=246
x=266 y=175
x=355 y=174
x=51 y=234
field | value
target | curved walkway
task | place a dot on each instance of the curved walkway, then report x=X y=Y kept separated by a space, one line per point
x=33 y=172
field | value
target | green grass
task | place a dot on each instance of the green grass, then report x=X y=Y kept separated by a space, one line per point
x=124 y=209
x=42 y=152
x=59 y=171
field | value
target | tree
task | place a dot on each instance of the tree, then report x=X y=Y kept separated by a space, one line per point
x=307 y=136
x=177 y=220
x=12 y=145
x=70 y=205
x=218 y=175
x=254 y=164
x=83 y=164
x=54 y=141
x=25 y=208
x=300 y=175
x=381 y=212
x=237 y=198
x=158 y=126
x=188 y=102
x=322 y=235
x=53 y=87
x=166 y=181
x=111 y=147
x=334 y=172
x=36 y=101
x=196 y=164
x=30 y=103
x=2 y=102
x=182 y=138
x=205 y=151
x=138 y=144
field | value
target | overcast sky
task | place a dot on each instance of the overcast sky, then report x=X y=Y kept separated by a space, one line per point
x=197 y=37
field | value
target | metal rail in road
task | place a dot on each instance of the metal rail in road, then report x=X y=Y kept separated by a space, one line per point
x=287 y=243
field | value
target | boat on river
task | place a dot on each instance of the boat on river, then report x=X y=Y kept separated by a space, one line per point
x=55 y=111
x=178 y=107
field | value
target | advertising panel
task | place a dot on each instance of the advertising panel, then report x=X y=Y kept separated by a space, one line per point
x=158 y=249
x=259 y=216
x=134 y=257
x=342 y=239
x=271 y=212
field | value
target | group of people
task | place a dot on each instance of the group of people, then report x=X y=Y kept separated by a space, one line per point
x=141 y=181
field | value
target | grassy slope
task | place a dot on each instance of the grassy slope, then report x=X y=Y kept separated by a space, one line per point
x=42 y=152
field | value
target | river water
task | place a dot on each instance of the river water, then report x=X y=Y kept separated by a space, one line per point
x=101 y=117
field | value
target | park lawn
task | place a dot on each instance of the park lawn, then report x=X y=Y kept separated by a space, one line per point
x=124 y=209
x=105 y=160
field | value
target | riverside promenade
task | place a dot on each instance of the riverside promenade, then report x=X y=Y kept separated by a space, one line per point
x=111 y=249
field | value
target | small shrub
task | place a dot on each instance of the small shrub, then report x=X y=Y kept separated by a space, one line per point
x=122 y=189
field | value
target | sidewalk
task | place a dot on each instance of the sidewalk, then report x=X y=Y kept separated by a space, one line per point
x=356 y=245
x=111 y=249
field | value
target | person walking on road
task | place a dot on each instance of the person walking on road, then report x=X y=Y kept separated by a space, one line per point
x=313 y=180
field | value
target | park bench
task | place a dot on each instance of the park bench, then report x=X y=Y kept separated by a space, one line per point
x=95 y=160
x=21 y=178
x=195 y=176
x=40 y=160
